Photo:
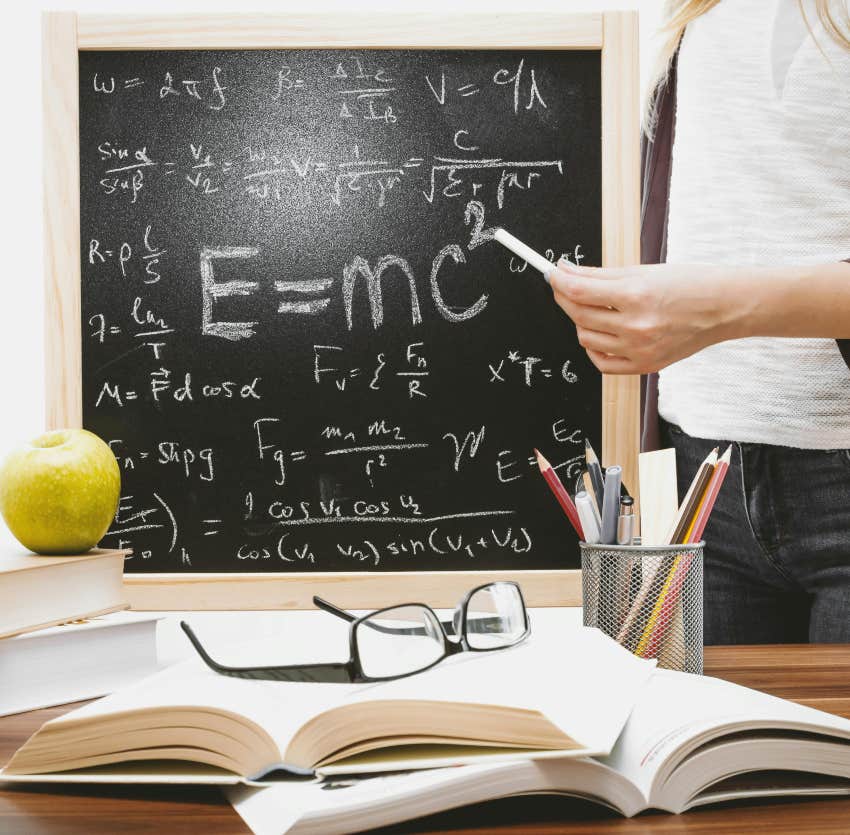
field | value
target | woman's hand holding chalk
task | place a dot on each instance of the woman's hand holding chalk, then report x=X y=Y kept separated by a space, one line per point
x=525 y=252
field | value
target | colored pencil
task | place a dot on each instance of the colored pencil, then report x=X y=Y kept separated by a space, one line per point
x=651 y=641
x=633 y=625
x=559 y=492
x=711 y=496
x=649 y=629
x=637 y=626
x=689 y=531
x=694 y=496
x=671 y=596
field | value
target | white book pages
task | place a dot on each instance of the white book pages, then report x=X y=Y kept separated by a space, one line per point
x=585 y=683
x=678 y=712
x=342 y=805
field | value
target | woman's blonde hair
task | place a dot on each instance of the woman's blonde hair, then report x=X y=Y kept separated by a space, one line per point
x=834 y=16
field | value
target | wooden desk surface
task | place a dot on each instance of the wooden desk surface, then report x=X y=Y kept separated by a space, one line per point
x=818 y=676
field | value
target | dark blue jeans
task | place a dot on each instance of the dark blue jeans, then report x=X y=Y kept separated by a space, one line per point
x=777 y=556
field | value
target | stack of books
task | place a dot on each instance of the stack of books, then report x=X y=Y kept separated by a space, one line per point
x=64 y=635
x=568 y=712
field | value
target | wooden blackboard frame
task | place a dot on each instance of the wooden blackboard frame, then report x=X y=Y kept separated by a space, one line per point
x=65 y=34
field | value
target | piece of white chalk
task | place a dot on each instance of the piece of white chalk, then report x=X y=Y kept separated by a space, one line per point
x=527 y=254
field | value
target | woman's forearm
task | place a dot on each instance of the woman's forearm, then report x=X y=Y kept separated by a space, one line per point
x=637 y=319
x=800 y=301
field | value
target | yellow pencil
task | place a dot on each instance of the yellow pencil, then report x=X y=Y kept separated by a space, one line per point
x=684 y=525
x=656 y=609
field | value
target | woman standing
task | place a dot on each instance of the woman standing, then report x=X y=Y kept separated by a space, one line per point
x=747 y=204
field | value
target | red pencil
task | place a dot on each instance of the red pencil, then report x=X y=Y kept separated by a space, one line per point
x=711 y=495
x=561 y=494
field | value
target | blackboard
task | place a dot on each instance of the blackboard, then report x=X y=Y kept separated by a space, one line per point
x=296 y=336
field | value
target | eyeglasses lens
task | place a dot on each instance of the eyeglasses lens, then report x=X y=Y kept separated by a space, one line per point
x=399 y=641
x=495 y=617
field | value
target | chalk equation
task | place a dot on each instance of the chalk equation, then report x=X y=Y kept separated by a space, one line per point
x=359 y=90
x=279 y=173
x=288 y=540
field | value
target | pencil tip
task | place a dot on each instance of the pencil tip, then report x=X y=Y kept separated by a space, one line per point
x=541 y=461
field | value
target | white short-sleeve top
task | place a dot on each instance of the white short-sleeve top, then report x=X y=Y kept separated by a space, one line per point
x=761 y=176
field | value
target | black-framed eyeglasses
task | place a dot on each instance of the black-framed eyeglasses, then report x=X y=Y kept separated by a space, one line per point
x=400 y=641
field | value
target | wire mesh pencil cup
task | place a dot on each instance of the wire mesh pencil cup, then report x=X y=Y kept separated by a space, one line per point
x=649 y=599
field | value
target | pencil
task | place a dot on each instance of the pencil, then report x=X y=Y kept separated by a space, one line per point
x=595 y=472
x=686 y=536
x=692 y=499
x=643 y=646
x=653 y=580
x=637 y=626
x=560 y=492
x=694 y=535
x=669 y=598
x=707 y=505
x=684 y=518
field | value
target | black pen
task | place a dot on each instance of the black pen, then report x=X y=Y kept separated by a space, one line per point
x=595 y=471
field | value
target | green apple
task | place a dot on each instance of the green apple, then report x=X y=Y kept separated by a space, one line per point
x=59 y=493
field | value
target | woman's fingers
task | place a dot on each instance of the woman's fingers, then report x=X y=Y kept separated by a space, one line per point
x=588 y=290
x=609 y=364
x=594 y=272
x=604 y=343
x=592 y=318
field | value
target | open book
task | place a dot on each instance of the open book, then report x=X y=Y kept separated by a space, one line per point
x=690 y=741
x=558 y=694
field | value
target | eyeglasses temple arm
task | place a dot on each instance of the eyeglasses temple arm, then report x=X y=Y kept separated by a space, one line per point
x=478 y=625
x=341 y=613
x=329 y=607
x=331 y=672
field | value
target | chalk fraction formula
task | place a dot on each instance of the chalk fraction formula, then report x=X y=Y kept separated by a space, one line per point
x=298 y=338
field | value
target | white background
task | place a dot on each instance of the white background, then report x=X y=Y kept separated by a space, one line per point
x=21 y=299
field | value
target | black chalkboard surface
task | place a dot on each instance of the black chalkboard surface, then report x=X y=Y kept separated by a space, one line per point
x=299 y=340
